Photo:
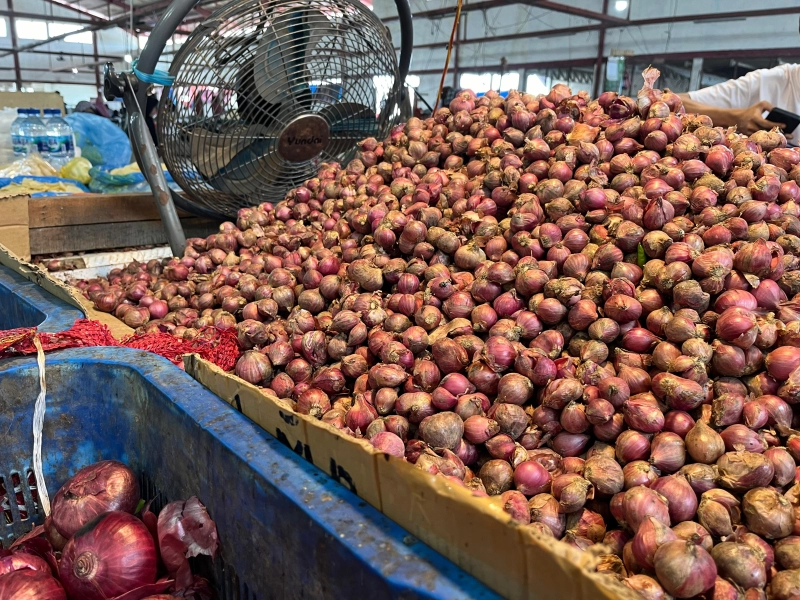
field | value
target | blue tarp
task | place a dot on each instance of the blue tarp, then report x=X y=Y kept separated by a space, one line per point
x=104 y=182
x=100 y=140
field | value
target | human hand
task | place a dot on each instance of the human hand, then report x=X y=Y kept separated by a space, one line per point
x=750 y=119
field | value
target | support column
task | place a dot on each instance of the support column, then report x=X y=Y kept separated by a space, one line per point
x=456 y=43
x=13 y=31
x=696 y=76
x=598 y=63
x=98 y=80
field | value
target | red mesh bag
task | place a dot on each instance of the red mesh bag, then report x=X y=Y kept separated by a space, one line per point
x=219 y=347
x=10 y=338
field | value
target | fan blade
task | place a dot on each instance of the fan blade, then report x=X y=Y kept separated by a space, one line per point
x=251 y=170
x=280 y=64
x=212 y=151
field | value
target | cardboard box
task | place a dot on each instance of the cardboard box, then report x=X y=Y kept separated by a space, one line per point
x=475 y=533
x=14 y=229
x=40 y=100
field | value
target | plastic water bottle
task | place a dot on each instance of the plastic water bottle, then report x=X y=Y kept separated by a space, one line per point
x=59 y=138
x=18 y=134
x=37 y=134
x=27 y=134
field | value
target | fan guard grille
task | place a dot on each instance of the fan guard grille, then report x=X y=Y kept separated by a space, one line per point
x=260 y=76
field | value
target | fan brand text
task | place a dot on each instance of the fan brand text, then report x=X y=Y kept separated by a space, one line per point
x=303 y=141
x=304 y=138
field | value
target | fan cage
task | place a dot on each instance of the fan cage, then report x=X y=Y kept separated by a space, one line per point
x=253 y=68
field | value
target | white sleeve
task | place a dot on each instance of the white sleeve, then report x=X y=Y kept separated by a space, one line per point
x=734 y=93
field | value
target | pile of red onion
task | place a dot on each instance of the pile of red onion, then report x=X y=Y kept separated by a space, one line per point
x=590 y=308
x=100 y=542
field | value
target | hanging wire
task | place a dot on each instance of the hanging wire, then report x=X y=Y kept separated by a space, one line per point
x=449 y=50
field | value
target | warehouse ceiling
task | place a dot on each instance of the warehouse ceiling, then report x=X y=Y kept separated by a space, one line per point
x=144 y=13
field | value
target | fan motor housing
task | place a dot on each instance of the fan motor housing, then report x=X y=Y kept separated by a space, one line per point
x=304 y=138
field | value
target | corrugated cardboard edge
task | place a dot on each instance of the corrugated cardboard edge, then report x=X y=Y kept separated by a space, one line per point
x=14 y=225
x=348 y=460
x=475 y=533
x=64 y=292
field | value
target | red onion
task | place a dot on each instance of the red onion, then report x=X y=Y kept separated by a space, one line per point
x=531 y=478
x=667 y=452
x=651 y=535
x=680 y=497
x=30 y=585
x=677 y=421
x=641 y=502
x=645 y=586
x=700 y=477
x=741 y=471
x=516 y=505
x=389 y=443
x=704 y=444
x=786 y=552
x=632 y=445
x=767 y=513
x=783 y=466
x=497 y=476
x=22 y=561
x=604 y=474
x=114 y=554
x=639 y=472
x=785 y=585
x=739 y=437
x=740 y=564
x=442 y=430
x=102 y=487
x=695 y=533
x=544 y=509
x=684 y=569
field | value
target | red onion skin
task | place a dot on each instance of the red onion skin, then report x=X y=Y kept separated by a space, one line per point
x=113 y=555
x=645 y=586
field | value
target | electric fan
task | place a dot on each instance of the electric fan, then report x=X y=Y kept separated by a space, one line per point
x=259 y=95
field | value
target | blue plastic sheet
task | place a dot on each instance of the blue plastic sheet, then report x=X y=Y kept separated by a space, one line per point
x=104 y=182
x=100 y=140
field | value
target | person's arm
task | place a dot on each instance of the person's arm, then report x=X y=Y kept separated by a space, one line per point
x=747 y=120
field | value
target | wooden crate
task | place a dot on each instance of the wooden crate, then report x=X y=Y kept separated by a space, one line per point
x=56 y=224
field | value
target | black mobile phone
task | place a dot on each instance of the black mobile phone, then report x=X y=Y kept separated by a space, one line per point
x=778 y=115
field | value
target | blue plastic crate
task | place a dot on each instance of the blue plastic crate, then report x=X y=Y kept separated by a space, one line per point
x=286 y=529
x=25 y=304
